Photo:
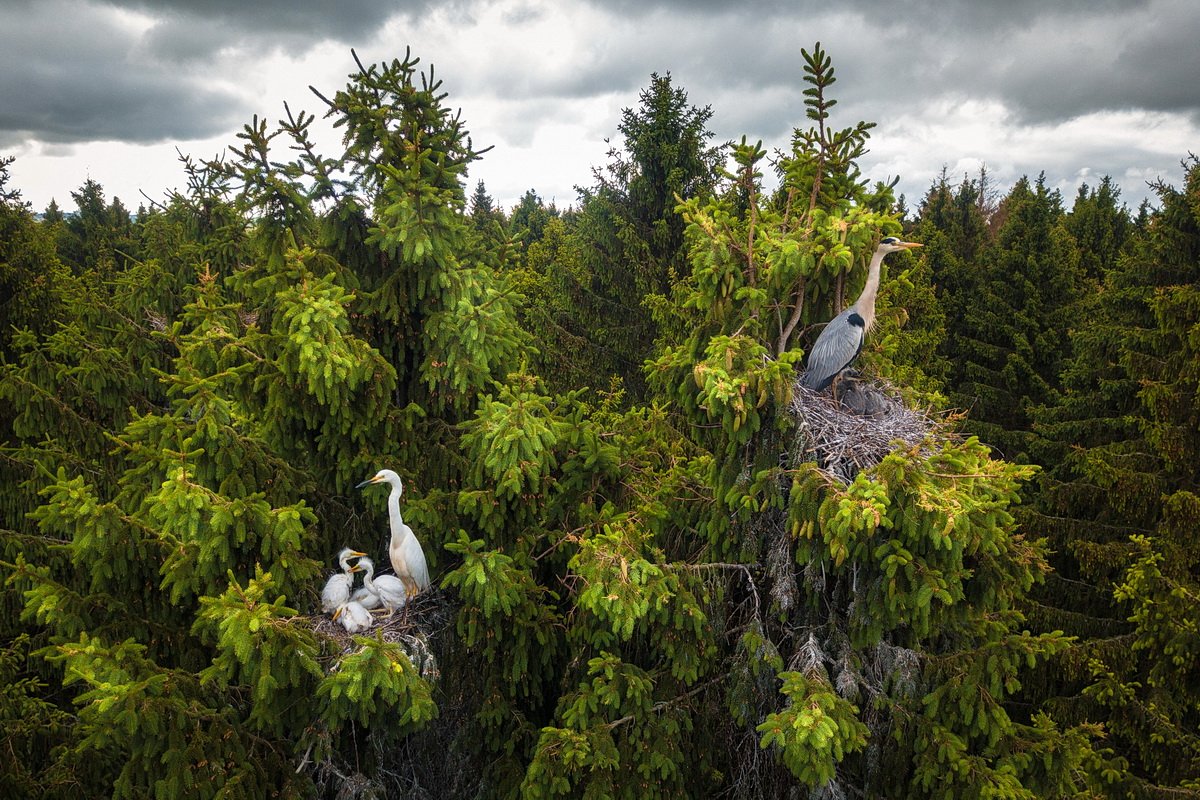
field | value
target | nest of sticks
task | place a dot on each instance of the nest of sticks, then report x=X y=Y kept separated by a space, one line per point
x=857 y=429
x=416 y=628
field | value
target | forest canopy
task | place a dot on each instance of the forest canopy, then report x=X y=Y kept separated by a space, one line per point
x=648 y=578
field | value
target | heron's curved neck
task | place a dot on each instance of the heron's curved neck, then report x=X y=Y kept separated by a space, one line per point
x=865 y=304
x=395 y=521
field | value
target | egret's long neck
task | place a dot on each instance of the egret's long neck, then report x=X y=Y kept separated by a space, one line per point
x=395 y=521
x=865 y=304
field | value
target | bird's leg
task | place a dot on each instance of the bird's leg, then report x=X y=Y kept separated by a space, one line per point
x=411 y=590
x=833 y=388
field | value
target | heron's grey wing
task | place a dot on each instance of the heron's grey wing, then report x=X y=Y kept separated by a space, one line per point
x=835 y=348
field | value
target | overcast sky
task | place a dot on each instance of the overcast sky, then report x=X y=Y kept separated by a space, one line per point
x=1078 y=89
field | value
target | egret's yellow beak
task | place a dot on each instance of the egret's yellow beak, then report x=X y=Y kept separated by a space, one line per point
x=338 y=613
x=368 y=482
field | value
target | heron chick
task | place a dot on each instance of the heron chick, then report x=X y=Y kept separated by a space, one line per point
x=842 y=340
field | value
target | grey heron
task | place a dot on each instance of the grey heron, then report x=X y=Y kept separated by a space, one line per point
x=404 y=551
x=842 y=340
x=337 y=588
x=391 y=591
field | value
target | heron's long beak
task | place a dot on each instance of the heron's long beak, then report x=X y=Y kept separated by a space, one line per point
x=912 y=244
x=367 y=482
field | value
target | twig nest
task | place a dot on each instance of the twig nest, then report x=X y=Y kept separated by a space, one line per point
x=414 y=628
x=858 y=429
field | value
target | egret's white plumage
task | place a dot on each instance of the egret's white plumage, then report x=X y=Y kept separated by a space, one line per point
x=354 y=618
x=390 y=590
x=366 y=598
x=404 y=551
x=337 y=588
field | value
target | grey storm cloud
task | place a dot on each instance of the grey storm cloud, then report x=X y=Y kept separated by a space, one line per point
x=72 y=77
x=81 y=72
x=1045 y=60
x=1065 y=60
x=85 y=71
x=301 y=20
x=1020 y=80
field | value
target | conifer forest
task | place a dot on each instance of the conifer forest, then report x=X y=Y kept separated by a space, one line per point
x=659 y=567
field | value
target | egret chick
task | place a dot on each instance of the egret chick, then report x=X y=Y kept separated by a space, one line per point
x=354 y=618
x=337 y=588
x=404 y=551
x=365 y=598
x=389 y=589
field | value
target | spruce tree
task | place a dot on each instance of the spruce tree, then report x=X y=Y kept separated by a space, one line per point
x=99 y=238
x=631 y=235
x=529 y=218
x=1100 y=227
x=874 y=637
x=31 y=274
x=1119 y=505
x=36 y=290
x=187 y=531
x=1007 y=331
x=555 y=284
x=488 y=220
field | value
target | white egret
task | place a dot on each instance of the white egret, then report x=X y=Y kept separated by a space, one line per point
x=404 y=551
x=337 y=588
x=842 y=339
x=389 y=589
x=354 y=618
